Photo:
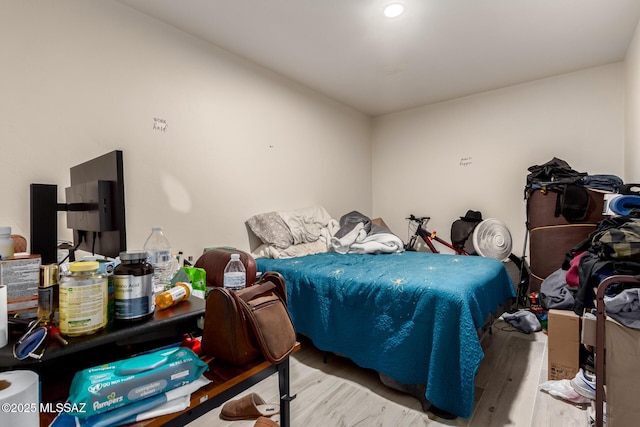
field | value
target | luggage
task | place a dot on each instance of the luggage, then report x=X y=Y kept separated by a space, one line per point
x=551 y=234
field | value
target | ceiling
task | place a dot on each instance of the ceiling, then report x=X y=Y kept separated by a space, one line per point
x=436 y=50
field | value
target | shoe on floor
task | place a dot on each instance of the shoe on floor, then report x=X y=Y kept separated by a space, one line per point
x=265 y=422
x=584 y=383
x=248 y=407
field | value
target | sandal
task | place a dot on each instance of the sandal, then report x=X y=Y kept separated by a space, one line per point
x=265 y=422
x=248 y=407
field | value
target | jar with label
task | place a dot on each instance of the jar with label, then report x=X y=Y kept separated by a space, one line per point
x=133 y=287
x=6 y=243
x=83 y=300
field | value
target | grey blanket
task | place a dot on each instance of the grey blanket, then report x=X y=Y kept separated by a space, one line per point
x=625 y=307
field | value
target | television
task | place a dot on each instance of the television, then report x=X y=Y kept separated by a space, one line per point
x=94 y=206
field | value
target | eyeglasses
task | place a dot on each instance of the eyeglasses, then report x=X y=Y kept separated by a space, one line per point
x=32 y=343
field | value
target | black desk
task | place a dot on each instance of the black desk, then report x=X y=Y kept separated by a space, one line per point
x=115 y=342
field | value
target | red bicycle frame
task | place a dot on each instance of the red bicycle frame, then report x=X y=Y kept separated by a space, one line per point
x=427 y=236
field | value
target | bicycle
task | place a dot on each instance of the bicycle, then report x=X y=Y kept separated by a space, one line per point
x=427 y=236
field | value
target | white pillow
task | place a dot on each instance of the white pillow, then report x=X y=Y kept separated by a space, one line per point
x=271 y=229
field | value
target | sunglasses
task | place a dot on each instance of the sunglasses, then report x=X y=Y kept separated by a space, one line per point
x=32 y=343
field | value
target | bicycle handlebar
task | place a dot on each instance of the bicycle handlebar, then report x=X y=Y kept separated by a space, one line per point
x=418 y=219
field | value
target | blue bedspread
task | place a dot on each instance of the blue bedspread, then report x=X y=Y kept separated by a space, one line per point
x=412 y=315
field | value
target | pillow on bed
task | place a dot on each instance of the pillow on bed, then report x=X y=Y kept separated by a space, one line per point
x=271 y=229
x=301 y=249
x=306 y=225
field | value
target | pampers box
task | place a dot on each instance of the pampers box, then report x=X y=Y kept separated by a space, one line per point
x=113 y=385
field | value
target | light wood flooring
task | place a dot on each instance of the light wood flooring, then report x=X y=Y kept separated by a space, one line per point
x=339 y=393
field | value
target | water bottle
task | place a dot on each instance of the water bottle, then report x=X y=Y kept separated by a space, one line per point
x=235 y=276
x=159 y=256
x=6 y=243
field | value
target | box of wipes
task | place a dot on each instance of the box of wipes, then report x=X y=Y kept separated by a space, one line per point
x=113 y=385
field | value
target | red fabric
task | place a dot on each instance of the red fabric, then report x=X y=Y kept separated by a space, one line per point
x=572 y=273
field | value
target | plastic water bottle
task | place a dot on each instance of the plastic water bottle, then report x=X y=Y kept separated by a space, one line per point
x=235 y=276
x=159 y=256
x=6 y=243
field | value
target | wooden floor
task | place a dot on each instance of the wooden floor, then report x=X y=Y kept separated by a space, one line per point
x=339 y=393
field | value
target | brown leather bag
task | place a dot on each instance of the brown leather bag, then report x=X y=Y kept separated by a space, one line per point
x=240 y=326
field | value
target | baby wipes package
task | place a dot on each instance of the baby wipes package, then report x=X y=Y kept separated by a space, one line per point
x=113 y=385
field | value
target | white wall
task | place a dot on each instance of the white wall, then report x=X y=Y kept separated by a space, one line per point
x=632 y=147
x=473 y=152
x=80 y=79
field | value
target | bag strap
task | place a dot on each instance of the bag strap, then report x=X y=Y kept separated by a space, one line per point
x=252 y=291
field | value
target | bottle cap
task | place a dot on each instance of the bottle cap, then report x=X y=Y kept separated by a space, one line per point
x=5 y=230
x=83 y=266
x=235 y=257
x=133 y=256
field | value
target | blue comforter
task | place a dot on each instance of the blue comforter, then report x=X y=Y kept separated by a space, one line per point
x=412 y=315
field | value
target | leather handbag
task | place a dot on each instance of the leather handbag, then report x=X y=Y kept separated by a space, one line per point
x=241 y=326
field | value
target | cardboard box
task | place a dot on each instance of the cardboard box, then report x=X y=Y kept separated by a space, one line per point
x=21 y=275
x=588 y=334
x=622 y=374
x=563 y=344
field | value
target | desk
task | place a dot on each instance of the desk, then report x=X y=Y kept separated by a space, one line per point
x=59 y=363
x=227 y=382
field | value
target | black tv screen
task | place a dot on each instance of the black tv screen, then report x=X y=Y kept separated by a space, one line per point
x=99 y=183
x=95 y=210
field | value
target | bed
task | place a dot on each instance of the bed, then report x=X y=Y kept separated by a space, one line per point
x=413 y=317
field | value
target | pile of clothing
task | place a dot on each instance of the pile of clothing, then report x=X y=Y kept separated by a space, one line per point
x=612 y=249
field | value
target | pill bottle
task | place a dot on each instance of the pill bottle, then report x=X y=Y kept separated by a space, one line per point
x=83 y=300
x=133 y=287
x=181 y=291
x=6 y=243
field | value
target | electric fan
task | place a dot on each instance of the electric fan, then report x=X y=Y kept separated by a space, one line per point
x=491 y=238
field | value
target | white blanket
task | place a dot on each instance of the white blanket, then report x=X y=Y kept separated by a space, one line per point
x=309 y=224
x=358 y=235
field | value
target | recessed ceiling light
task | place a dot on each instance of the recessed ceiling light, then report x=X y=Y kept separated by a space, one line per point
x=393 y=10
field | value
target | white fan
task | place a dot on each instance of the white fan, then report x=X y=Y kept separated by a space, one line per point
x=491 y=238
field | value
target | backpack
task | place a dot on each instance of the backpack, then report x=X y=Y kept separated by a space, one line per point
x=462 y=230
x=555 y=172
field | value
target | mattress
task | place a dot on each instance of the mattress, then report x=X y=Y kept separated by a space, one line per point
x=411 y=316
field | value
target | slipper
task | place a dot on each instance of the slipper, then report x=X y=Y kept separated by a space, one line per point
x=265 y=422
x=248 y=407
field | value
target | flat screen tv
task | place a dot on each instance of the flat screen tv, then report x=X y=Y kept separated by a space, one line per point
x=95 y=207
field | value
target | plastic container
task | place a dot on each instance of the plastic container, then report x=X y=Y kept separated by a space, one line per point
x=83 y=300
x=106 y=268
x=133 y=287
x=180 y=292
x=159 y=256
x=6 y=243
x=235 y=275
